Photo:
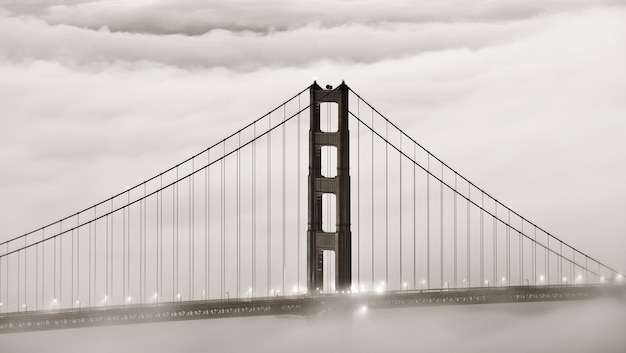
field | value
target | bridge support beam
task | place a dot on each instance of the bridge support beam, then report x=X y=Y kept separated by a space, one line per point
x=318 y=240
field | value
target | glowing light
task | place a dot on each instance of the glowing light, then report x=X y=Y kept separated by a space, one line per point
x=619 y=277
x=379 y=289
x=54 y=300
x=23 y=305
x=363 y=308
x=129 y=299
x=405 y=285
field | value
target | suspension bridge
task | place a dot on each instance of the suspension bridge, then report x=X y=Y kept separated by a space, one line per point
x=321 y=205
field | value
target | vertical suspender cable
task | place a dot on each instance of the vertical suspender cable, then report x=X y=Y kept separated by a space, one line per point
x=176 y=222
x=206 y=227
x=358 y=192
x=387 y=204
x=61 y=267
x=455 y=230
x=239 y=215
x=441 y=226
x=535 y=256
x=521 y=258
x=508 y=244
x=414 y=216
x=400 y=210
x=208 y=230
x=547 y=260
x=482 y=248
x=191 y=230
x=469 y=272
x=284 y=201
x=223 y=241
x=298 y=202
x=269 y=205
x=495 y=244
x=372 y=217
x=124 y=253
x=174 y=238
x=160 y=243
x=253 y=269
x=106 y=260
x=428 y=221
x=37 y=277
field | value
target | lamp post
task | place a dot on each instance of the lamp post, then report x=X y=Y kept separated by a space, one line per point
x=423 y=283
x=463 y=283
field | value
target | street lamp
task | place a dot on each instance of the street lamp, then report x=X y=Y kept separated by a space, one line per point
x=565 y=280
x=423 y=283
x=405 y=286
x=78 y=303
x=502 y=281
x=130 y=300
x=541 y=280
x=487 y=283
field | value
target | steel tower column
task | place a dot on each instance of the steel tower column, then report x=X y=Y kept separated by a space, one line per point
x=317 y=240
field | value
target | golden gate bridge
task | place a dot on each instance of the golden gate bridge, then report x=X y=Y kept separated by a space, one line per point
x=320 y=205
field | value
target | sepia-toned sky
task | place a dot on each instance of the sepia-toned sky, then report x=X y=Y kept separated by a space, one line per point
x=524 y=98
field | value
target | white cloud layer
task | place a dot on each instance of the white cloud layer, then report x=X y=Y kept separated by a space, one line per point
x=524 y=98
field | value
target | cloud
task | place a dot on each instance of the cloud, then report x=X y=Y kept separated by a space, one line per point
x=530 y=88
x=193 y=17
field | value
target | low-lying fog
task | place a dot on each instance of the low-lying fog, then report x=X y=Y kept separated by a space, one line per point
x=594 y=326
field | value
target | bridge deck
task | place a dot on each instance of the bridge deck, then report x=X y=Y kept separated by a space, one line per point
x=296 y=305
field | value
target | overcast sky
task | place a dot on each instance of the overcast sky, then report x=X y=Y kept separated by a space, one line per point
x=524 y=98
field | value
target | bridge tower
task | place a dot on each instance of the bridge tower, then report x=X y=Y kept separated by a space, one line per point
x=340 y=241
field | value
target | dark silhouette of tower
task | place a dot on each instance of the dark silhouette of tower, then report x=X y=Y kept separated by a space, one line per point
x=317 y=240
